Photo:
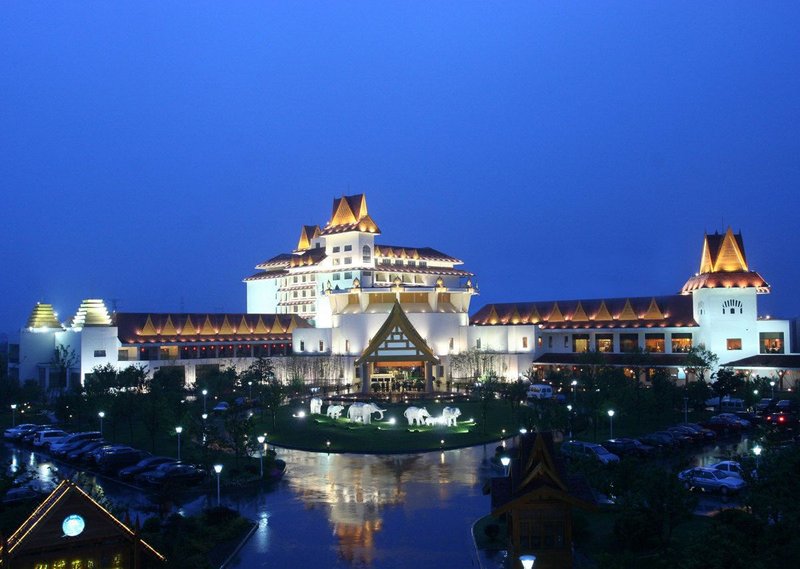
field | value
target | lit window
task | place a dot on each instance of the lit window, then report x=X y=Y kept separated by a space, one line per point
x=734 y=343
x=770 y=342
x=654 y=343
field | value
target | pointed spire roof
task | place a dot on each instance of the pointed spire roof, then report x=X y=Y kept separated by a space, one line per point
x=397 y=340
x=148 y=329
x=580 y=314
x=653 y=311
x=627 y=312
x=350 y=214
x=723 y=264
x=208 y=328
x=91 y=312
x=307 y=234
x=602 y=313
x=226 y=329
x=555 y=314
x=168 y=329
x=43 y=316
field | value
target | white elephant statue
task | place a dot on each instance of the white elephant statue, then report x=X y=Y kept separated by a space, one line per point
x=316 y=406
x=416 y=415
x=430 y=421
x=335 y=411
x=451 y=415
x=362 y=412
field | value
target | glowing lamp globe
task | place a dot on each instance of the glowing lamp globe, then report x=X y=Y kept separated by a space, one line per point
x=217 y=468
x=527 y=561
x=73 y=525
x=505 y=461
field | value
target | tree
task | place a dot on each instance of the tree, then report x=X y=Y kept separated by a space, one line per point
x=727 y=383
x=486 y=395
x=63 y=359
x=271 y=395
x=700 y=362
x=238 y=426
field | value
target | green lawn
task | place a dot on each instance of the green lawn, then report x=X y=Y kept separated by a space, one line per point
x=314 y=432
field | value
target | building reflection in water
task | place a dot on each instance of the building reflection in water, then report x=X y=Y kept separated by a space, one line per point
x=356 y=489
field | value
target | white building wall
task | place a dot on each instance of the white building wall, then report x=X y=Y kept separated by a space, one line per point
x=716 y=327
x=97 y=339
x=262 y=296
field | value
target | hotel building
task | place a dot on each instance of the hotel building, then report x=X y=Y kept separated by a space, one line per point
x=382 y=316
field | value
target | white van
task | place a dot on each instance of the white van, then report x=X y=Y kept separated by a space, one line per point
x=45 y=438
x=540 y=391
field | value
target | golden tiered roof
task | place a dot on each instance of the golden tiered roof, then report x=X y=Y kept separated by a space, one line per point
x=43 y=316
x=209 y=327
x=723 y=264
x=91 y=312
x=350 y=214
x=307 y=234
x=659 y=311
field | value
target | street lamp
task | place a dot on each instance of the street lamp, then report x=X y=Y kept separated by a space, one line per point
x=527 y=561
x=505 y=461
x=261 y=439
x=13 y=414
x=205 y=394
x=218 y=469
x=574 y=384
x=179 y=430
x=757 y=451
x=102 y=415
x=204 y=416
x=569 y=420
x=611 y=422
x=772 y=385
x=250 y=392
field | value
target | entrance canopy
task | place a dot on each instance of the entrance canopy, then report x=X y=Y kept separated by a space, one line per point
x=397 y=341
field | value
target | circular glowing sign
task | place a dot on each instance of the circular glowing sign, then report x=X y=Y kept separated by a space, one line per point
x=73 y=525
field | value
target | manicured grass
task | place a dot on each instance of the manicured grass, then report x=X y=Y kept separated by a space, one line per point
x=313 y=432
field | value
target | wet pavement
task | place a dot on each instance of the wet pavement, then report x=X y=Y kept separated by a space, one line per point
x=355 y=511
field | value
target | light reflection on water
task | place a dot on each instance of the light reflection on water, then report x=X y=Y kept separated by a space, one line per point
x=345 y=510
x=338 y=510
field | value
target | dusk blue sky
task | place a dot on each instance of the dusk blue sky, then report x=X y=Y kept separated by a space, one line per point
x=154 y=152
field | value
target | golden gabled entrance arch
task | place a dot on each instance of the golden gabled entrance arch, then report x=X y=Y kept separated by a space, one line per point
x=396 y=342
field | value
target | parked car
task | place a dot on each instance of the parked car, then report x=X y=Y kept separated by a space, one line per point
x=44 y=439
x=681 y=439
x=745 y=424
x=781 y=420
x=766 y=404
x=173 y=474
x=540 y=391
x=730 y=468
x=580 y=449
x=112 y=462
x=144 y=465
x=685 y=433
x=711 y=480
x=14 y=433
x=708 y=434
x=221 y=407
x=57 y=447
x=98 y=454
x=28 y=436
x=659 y=441
x=786 y=406
x=628 y=447
x=721 y=426
x=84 y=450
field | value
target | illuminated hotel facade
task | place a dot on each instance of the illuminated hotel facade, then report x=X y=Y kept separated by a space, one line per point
x=360 y=311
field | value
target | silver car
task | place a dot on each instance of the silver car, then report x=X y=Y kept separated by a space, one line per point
x=711 y=480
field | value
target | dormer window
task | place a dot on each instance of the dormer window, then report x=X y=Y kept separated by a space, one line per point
x=732 y=306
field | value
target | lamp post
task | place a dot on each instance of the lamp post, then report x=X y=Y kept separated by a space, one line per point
x=250 y=390
x=569 y=420
x=205 y=394
x=505 y=461
x=611 y=422
x=102 y=415
x=261 y=439
x=685 y=408
x=772 y=385
x=757 y=451
x=218 y=470
x=179 y=430
x=574 y=385
x=13 y=414
x=527 y=561
x=205 y=417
